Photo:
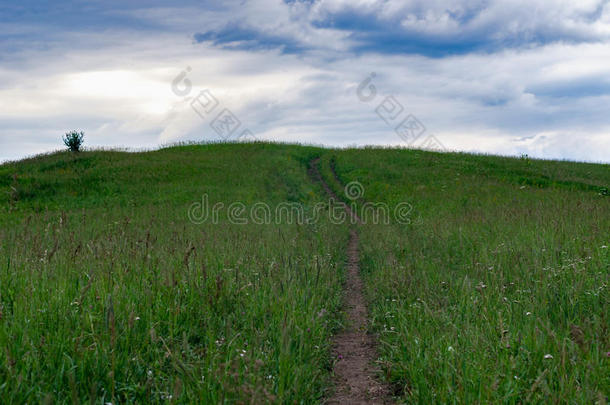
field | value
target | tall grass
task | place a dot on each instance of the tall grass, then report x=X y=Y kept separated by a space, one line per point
x=498 y=289
x=108 y=293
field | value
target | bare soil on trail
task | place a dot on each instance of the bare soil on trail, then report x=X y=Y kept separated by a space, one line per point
x=354 y=349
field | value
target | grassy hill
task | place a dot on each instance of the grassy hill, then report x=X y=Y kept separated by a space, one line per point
x=114 y=285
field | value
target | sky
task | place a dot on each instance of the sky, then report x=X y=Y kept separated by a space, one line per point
x=503 y=77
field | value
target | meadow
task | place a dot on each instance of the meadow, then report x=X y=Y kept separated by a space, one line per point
x=496 y=290
x=109 y=293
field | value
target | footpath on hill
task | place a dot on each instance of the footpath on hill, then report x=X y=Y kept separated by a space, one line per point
x=354 y=349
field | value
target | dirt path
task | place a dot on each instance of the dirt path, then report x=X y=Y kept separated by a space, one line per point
x=353 y=348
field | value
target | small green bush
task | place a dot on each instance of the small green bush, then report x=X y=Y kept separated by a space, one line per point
x=74 y=140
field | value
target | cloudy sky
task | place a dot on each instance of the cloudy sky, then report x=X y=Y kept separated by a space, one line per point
x=504 y=77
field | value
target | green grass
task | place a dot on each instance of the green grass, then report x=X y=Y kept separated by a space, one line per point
x=109 y=293
x=503 y=263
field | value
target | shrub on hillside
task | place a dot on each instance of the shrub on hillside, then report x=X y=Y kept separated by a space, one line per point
x=74 y=140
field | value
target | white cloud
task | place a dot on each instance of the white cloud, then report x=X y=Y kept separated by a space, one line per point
x=116 y=85
x=499 y=19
